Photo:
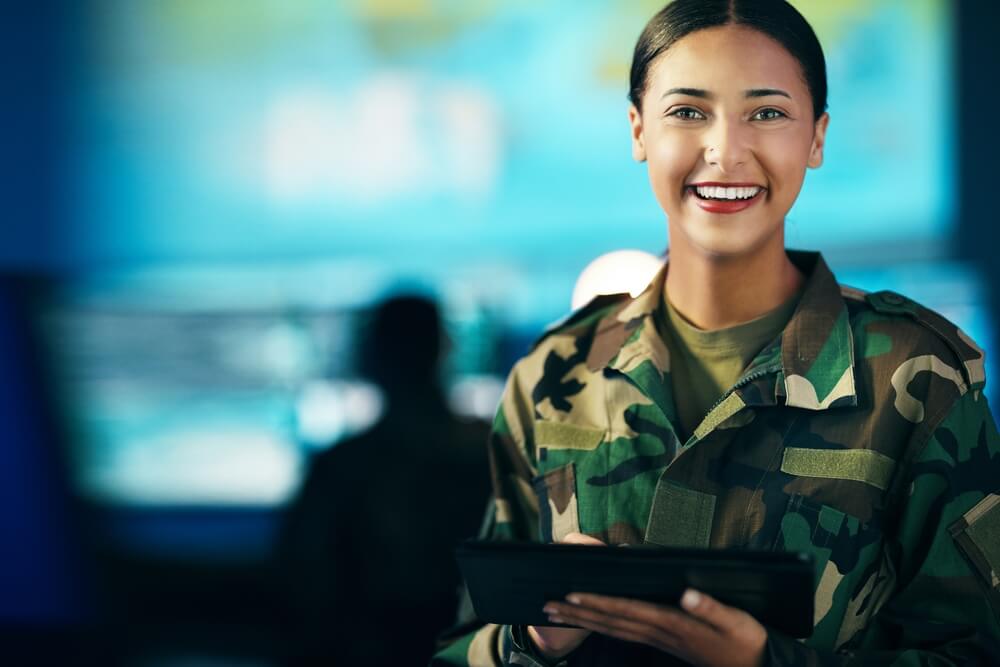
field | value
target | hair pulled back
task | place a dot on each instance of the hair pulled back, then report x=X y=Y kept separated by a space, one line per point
x=775 y=18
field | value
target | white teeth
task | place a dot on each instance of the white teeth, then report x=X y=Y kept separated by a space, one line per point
x=714 y=192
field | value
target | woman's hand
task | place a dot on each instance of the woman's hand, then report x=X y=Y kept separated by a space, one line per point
x=556 y=642
x=704 y=631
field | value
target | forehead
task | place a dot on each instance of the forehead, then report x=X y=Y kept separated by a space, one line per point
x=727 y=58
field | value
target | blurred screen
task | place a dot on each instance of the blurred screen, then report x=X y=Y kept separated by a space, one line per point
x=219 y=128
x=192 y=397
x=185 y=397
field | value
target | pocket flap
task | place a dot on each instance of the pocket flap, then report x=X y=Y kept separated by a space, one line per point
x=860 y=465
x=559 y=435
x=680 y=517
x=978 y=535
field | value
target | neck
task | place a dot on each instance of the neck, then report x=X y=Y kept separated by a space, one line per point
x=715 y=292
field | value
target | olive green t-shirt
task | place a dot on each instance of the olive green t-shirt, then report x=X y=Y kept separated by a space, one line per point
x=705 y=364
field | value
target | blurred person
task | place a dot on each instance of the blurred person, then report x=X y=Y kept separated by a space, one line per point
x=368 y=542
x=746 y=399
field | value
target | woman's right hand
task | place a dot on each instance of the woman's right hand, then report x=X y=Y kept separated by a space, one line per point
x=554 y=643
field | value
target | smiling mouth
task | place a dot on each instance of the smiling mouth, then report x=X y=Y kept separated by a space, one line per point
x=725 y=193
x=725 y=198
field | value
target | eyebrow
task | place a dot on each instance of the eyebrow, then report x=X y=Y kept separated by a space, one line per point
x=765 y=92
x=700 y=92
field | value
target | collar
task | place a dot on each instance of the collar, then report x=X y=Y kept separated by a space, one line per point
x=816 y=348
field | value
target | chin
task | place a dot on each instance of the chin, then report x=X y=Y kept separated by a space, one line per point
x=724 y=245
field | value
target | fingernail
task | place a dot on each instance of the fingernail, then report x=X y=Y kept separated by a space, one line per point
x=573 y=598
x=555 y=619
x=690 y=599
x=549 y=609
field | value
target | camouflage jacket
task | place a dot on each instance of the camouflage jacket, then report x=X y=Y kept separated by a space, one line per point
x=860 y=435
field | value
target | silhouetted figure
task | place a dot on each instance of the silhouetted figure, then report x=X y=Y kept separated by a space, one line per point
x=367 y=548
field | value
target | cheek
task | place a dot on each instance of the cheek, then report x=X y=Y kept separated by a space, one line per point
x=784 y=161
x=670 y=163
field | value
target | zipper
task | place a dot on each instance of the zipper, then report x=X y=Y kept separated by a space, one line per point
x=743 y=381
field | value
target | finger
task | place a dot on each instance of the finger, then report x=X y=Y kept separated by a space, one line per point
x=574 y=613
x=580 y=538
x=636 y=635
x=616 y=626
x=667 y=619
x=709 y=610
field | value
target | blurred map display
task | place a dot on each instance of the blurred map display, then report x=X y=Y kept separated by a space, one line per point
x=232 y=129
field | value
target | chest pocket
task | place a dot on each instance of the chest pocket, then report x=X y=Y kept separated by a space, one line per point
x=558 y=511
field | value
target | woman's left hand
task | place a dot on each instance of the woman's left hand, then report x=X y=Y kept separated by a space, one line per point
x=703 y=631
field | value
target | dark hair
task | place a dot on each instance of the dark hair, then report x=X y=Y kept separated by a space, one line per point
x=775 y=18
x=402 y=342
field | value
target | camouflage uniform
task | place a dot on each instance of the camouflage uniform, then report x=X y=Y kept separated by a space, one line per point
x=860 y=435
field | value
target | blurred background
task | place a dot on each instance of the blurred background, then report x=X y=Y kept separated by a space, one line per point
x=204 y=199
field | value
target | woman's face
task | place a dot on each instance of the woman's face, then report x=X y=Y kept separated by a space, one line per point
x=727 y=129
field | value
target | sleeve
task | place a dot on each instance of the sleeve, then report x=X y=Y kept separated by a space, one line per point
x=945 y=607
x=512 y=515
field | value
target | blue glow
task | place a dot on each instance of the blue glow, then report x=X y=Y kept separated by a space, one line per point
x=487 y=130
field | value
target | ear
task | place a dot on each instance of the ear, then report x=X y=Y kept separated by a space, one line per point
x=819 y=141
x=635 y=121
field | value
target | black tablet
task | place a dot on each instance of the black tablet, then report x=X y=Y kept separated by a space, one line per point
x=510 y=582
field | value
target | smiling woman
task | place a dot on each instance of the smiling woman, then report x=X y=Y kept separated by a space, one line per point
x=747 y=400
x=727 y=146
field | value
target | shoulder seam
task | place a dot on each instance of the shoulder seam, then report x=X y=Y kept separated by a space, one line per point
x=887 y=302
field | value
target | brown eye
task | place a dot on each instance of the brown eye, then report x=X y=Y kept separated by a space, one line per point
x=769 y=114
x=687 y=113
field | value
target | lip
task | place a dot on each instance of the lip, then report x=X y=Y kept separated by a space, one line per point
x=720 y=206
x=720 y=184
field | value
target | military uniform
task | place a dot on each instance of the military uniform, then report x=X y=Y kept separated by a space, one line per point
x=860 y=435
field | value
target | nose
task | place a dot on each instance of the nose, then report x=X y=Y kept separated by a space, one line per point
x=727 y=145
